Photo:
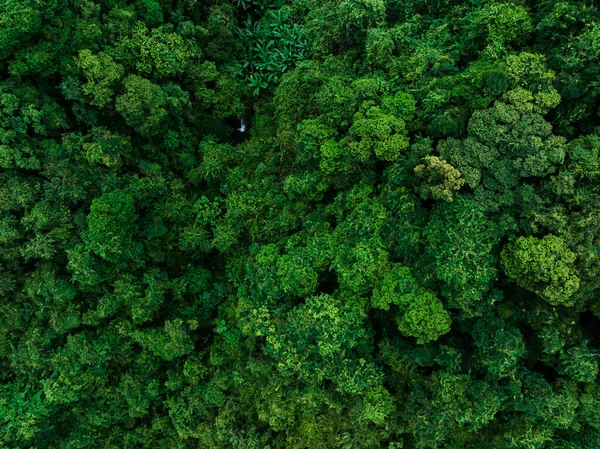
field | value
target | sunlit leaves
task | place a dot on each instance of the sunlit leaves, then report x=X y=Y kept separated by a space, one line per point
x=111 y=227
x=142 y=105
x=102 y=72
x=543 y=266
x=424 y=318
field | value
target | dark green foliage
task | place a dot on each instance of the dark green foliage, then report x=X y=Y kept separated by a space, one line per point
x=273 y=45
x=400 y=250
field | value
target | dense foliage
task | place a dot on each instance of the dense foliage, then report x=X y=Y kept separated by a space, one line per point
x=401 y=251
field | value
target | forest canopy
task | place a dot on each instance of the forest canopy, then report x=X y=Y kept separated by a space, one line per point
x=299 y=224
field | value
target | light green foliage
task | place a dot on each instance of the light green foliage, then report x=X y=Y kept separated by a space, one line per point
x=460 y=240
x=459 y=399
x=102 y=73
x=421 y=312
x=424 y=318
x=379 y=46
x=381 y=129
x=360 y=258
x=441 y=178
x=84 y=266
x=362 y=14
x=530 y=71
x=105 y=147
x=168 y=342
x=296 y=276
x=80 y=370
x=497 y=24
x=162 y=53
x=142 y=105
x=579 y=363
x=522 y=151
x=337 y=330
x=396 y=288
x=542 y=266
x=112 y=226
x=337 y=342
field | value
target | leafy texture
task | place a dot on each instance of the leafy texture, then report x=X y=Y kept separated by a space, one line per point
x=299 y=224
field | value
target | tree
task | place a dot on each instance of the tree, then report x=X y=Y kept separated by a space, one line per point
x=425 y=318
x=445 y=178
x=542 y=266
x=579 y=363
x=101 y=72
x=142 y=105
x=381 y=129
x=112 y=226
x=460 y=244
x=499 y=346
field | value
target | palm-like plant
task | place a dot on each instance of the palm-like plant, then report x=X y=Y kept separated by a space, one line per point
x=273 y=46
